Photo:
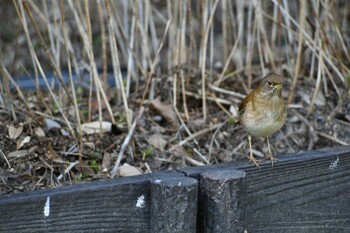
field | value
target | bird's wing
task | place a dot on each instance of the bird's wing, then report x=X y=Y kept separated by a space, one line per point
x=246 y=100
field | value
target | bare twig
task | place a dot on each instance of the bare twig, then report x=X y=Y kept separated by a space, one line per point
x=70 y=167
x=116 y=66
x=334 y=139
x=5 y=158
x=214 y=136
x=300 y=46
x=74 y=96
x=202 y=59
x=197 y=134
x=125 y=144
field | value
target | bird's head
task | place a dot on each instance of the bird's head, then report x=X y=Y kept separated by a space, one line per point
x=271 y=85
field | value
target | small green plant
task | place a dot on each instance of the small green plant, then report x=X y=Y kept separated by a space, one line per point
x=79 y=177
x=147 y=152
x=121 y=118
x=95 y=156
x=55 y=108
x=94 y=165
x=232 y=121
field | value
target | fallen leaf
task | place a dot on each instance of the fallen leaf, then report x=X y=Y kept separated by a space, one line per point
x=157 y=141
x=94 y=127
x=17 y=154
x=128 y=170
x=24 y=141
x=165 y=110
x=39 y=132
x=52 y=155
x=15 y=132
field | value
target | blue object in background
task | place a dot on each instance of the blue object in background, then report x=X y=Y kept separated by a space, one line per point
x=26 y=82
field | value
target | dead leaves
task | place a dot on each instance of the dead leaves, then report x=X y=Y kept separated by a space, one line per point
x=39 y=132
x=157 y=141
x=18 y=154
x=165 y=110
x=14 y=132
x=23 y=142
x=128 y=170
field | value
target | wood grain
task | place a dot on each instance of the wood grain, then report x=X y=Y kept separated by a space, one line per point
x=311 y=195
x=174 y=205
x=304 y=192
x=222 y=201
x=121 y=205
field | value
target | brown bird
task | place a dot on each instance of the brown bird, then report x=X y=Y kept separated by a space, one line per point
x=263 y=112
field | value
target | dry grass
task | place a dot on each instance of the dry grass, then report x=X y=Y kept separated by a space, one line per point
x=200 y=57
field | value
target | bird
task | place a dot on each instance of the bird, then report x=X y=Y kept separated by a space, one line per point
x=263 y=112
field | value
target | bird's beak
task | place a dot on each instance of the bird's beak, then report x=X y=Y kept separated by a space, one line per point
x=282 y=84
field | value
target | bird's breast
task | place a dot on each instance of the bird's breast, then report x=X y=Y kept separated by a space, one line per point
x=263 y=118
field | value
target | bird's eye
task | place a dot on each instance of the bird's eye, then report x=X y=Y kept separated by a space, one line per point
x=269 y=83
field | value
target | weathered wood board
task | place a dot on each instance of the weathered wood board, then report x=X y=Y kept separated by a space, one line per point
x=104 y=205
x=308 y=195
x=121 y=205
x=305 y=192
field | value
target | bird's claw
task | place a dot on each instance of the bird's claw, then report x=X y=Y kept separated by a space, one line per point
x=254 y=160
x=270 y=156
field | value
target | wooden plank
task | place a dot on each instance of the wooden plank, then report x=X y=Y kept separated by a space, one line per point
x=121 y=205
x=305 y=192
x=174 y=205
x=222 y=201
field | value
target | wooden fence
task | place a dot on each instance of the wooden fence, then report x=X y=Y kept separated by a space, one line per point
x=305 y=192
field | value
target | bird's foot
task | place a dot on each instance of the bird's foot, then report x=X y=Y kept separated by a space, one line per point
x=270 y=156
x=254 y=160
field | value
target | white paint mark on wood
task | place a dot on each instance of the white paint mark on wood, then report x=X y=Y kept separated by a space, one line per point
x=140 y=201
x=47 y=207
x=334 y=164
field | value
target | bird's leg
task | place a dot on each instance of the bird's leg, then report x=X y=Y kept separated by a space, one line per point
x=269 y=155
x=251 y=157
